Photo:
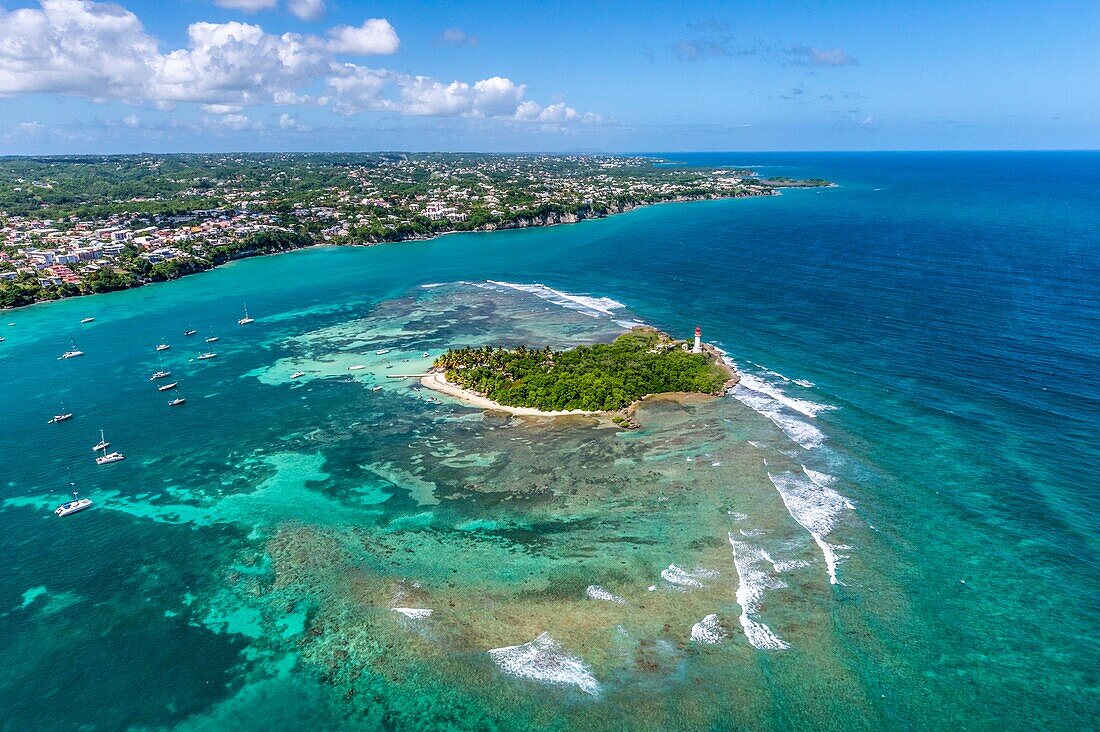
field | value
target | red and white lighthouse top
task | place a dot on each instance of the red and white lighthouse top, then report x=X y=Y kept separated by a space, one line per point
x=698 y=331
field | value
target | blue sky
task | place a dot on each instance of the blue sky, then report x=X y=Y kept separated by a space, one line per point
x=219 y=75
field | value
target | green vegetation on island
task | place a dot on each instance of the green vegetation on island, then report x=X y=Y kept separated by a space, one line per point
x=602 y=377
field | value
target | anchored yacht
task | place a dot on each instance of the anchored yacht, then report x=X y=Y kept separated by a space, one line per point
x=168 y=387
x=87 y=320
x=103 y=444
x=176 y=402
x=108 y=458
x=160 y=375
x=212 y=339
x=296 y=374
x=73 y=351
x=77 y=504
x=246 y=320
x=189 y=332
x=163 y=347
x=205 y=356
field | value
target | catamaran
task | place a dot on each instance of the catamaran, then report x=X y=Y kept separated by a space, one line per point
x=77 y=504
x=168 y=387
x=246 y=320
x=103 y=444
x=205 y=356
x=63 y=415
x=189 y=332
x=160 y=375
x=73 y=352
x=108 y=458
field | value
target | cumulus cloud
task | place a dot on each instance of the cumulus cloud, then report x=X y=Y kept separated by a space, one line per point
x=375 y=37
x=807 y=55
x=101 y=51
x=291 y=123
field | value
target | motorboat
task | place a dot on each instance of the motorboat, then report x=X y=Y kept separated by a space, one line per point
x=356 y=367
x=163 y=347
x=87 y=320
x=189 y=332
x=382 y=352
x=212 y=339
x=168 y=387
x=297 y=374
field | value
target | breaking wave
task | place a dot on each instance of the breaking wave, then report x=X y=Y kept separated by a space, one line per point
x=544 y=659
x=751 y=583
x=817 y=508
x=593 y=306
x=595 y=592
x=769 y=400
x=707 y=630
x=414 y=612
x=677 y=575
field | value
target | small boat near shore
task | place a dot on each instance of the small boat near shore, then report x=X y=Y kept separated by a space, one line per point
x=297 y=374
x=356 y=367
x=376 y=388
x=168 y=387
x=73 y=506
x=382 y=351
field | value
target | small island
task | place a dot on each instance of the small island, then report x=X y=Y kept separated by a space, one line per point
x=602 y=379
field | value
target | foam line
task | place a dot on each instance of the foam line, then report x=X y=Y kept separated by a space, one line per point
x=817 y=508
x=752 y=581
x=544 y=659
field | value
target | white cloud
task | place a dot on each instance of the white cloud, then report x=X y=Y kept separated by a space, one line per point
x=291 y=123
x=249 y=6
x=131 y=120
x=101 y=51
x=376 y=36
x=75 y=47
x=458 y=37
x=306 y=9
x=236 y=63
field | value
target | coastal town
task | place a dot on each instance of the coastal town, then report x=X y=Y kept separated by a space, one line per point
x=74 y=226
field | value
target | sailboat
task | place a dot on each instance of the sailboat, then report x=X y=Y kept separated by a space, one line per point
x=168 y=387
x=63 y=415
x=163 y=347
x=246 y=320
x=103 y=444
x=73 y=351
x=160 y=375
x=212 y=339
x=190 y=332
x=206 y=356
x=87 y=320
x=108 y=458
x=77 y=504
x=177 y=401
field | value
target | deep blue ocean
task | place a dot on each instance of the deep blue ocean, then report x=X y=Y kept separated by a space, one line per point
x=927 y=333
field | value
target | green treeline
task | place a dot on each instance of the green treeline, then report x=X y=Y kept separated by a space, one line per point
x=604 y=377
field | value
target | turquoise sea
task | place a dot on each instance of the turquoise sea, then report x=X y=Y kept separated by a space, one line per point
x=889 y=524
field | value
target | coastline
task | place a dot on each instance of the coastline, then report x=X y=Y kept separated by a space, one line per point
x=552 y=219
x=437 y=381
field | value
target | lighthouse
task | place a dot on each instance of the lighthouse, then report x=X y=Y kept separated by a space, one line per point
x=698 y=340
